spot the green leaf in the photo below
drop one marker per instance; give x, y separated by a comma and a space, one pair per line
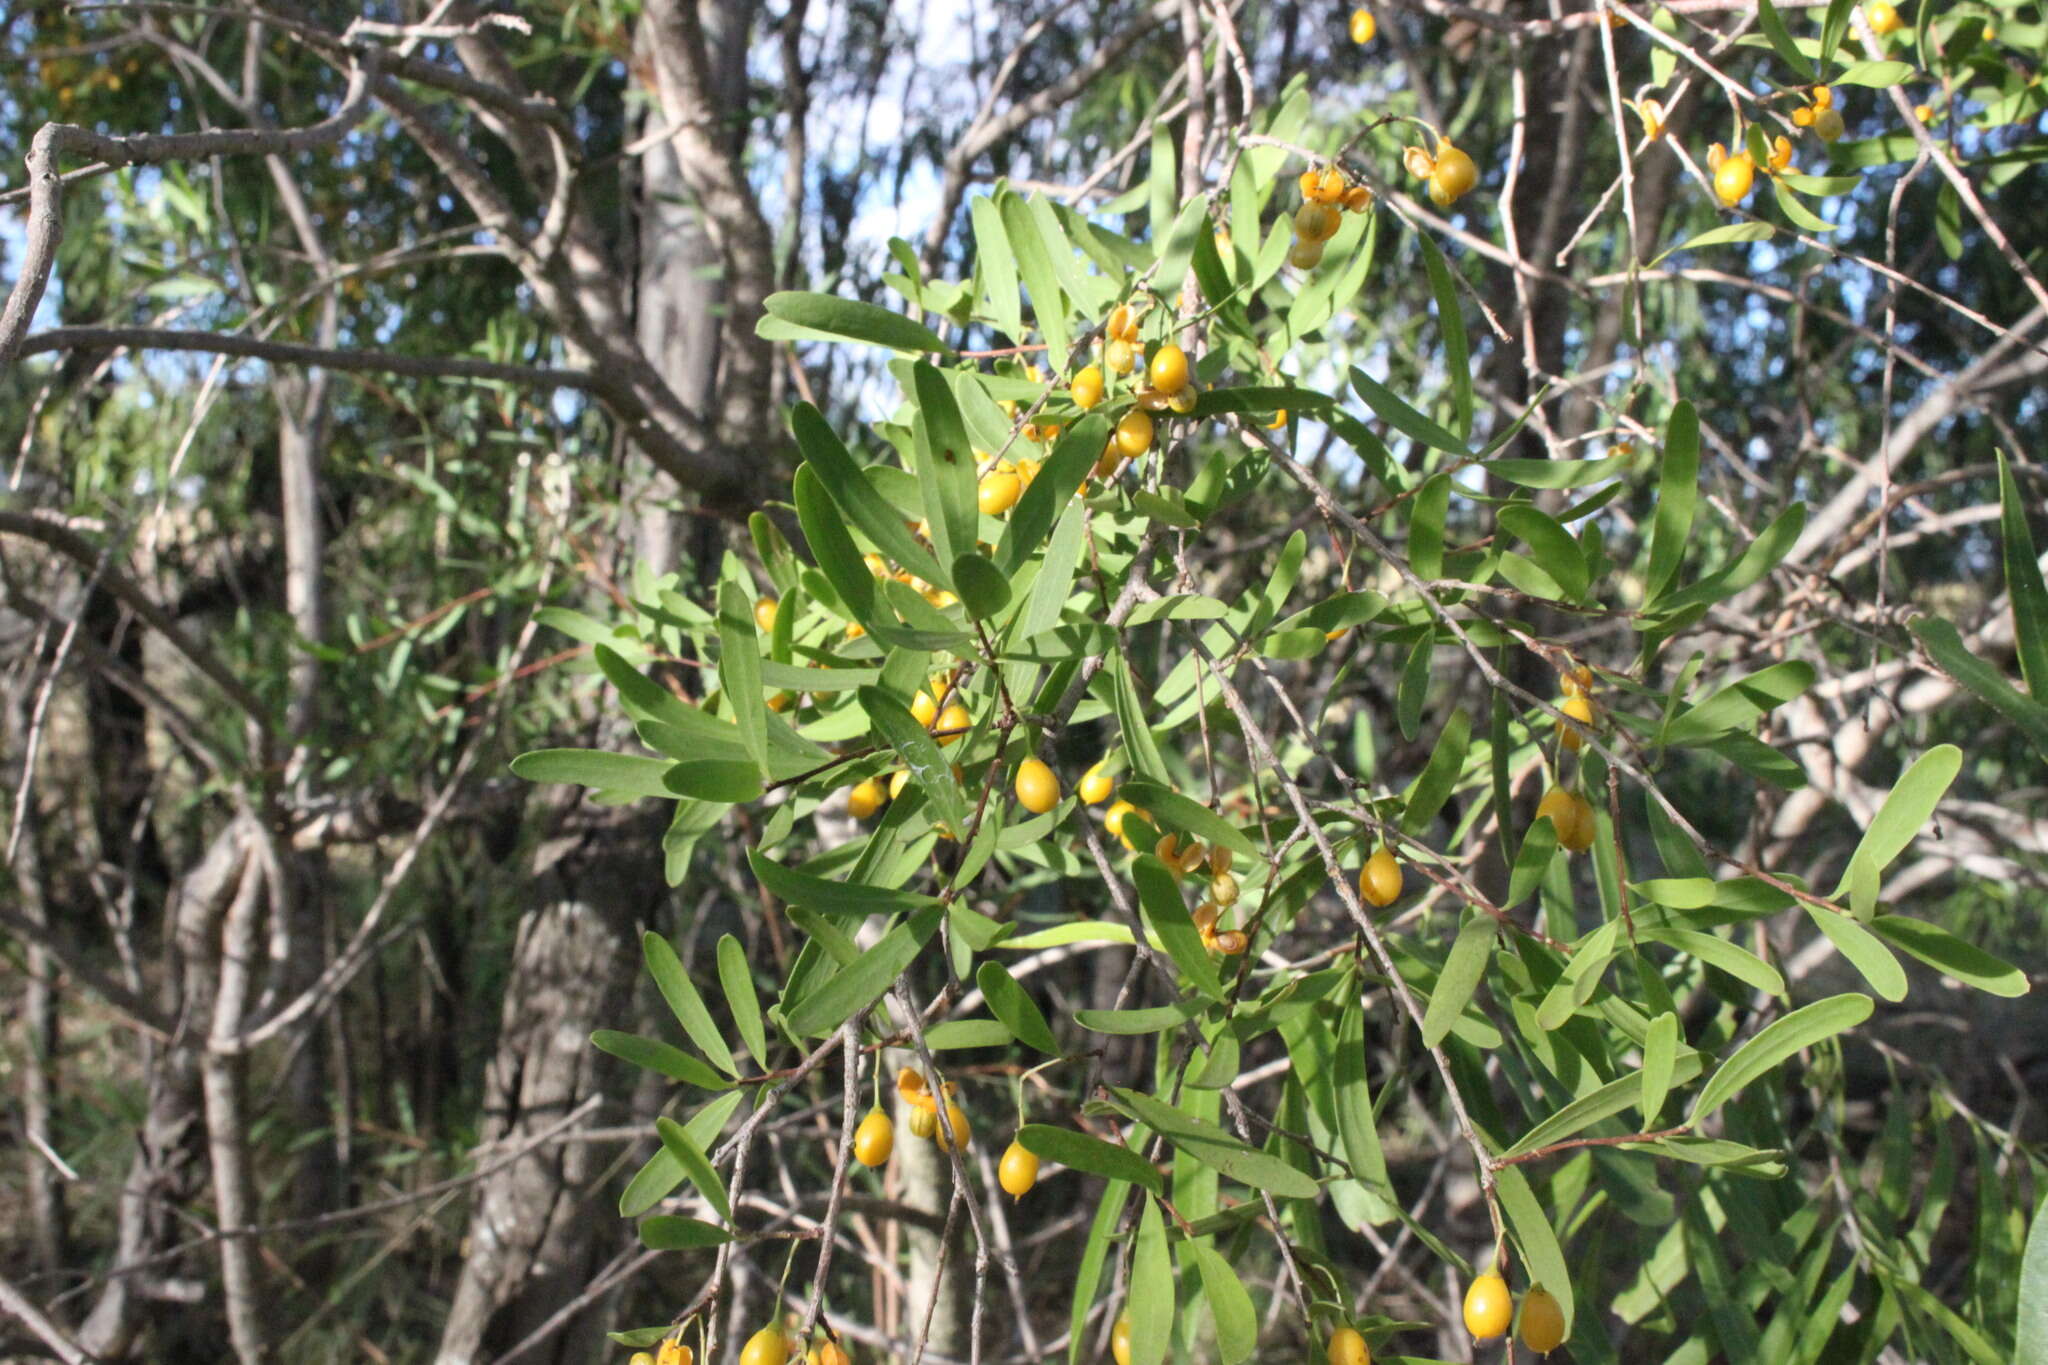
1151, 1303
1864, 951
1904, 814
1439, 777
1073, 931
1832, 28
1660, 1053
1078, 1151
1677, 495
824, 528
1171, 810
945, 465
983, 589
1451, 319
1413, 689
1008, 1002
691, 1158
1426, 527
656, 1180
1178, 246
2023, 581
2031, 1329
669, 1232
1073, 455
1877, 74
1396, 413
624, 774
1211, 1146
1739, 703
806, 315
1556, 473
684, 1002
1237, 1322
739, 665
1729, 957
1553, 547
1946, 953
1800, 1029
736, 979
1088, 1278
1460, 977
1541, 1253
1720, 236
861, 983
919, 751
1035, 263
848, 484
1946, 647
829, 897
1352, 1097
1166, 915
1532, 860
1131, 1023
1056, 572
1788, 52
996, 267
659, 1057
1795, 209
723, 780
1760, 558
961, 1033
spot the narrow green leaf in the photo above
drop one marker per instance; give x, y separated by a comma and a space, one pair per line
860, 983
1073, 455
1237, 1322
964, 1033
1034, 262
739, 665
624, 774
1460, 977
1177, 248
1795, 209
1131, 1023
1832, 28
1396, 412
1800, 1029
1439, 777
1532, 860
1171, 810
996, 266
945, 465
1094, 1252
1609, 1100
1413, 689
1946, 953
659, 1057
1356, 1126
1541, 1253
830, 897
1720, 236
1773, 25
824, 528
1056, 572
1677, 495
1865, 952
867, 509
1946, 647
1166, 916
1760, 558
2023, 582
1728, 956
1553, 548
1211, 1146
805, 315
1451, 321
1009, 1002
2031, 1331
1898, 821
919, 751
670, 1232
736, 979
684, 1002
983, 589
692, 1160
1739, 703
1426, 527
1111, 1160
722, 780
1660, 1052
1875, 74
1151, 1304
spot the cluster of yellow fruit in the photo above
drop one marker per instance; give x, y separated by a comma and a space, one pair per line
670, 1352
1489, 1308
1363, 26
875, 1139
916, 1092
1820, 114
1733, 175
946, 719
1450, 173
1326, 195
778, 1345
1000, 488
1165, 385
1577, 704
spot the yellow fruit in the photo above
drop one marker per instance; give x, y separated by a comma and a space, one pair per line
1169, 369
1802, 117
898, 780
764, 613
1027, 470
877, 565
1455, 174
1095, 785
1561, 810
1038, 790
827, 1353
766, 1347
1781, 152
1827, 125
1119, 356
1122, 325
1219, 860
1358, 199
1317, 222
1823, 97
1310, 181
1923, 112
1134, 433
1379, 881
874, 1139
671, 1352
1487, 1308
1579, 708
1230, 943
1223, 889
999, 491
1542, 1322
1184, 402
1113, 818
1347, 1347
1989, 33
641, 1357
854, 630
1087, 390
1652, 115
865, 799
1120, 1340
1583, 829
1279, 420
924, 710
1418, 162
1305, 255
953, 718
962, 1133
1153, 400
1579, 681
1363, 27
1330, 186
1018, 1171
1733, 177
1883, 17
1110, 461
924, 1122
